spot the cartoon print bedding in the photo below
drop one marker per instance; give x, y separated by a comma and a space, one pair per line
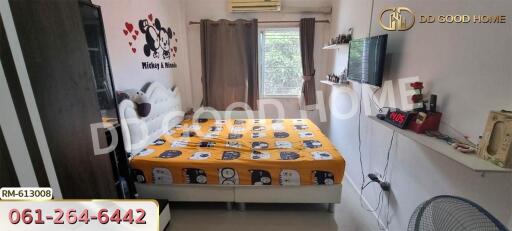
241, 152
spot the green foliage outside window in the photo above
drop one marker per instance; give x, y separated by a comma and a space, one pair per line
281, 63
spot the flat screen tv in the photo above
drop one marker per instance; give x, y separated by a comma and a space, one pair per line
366, 59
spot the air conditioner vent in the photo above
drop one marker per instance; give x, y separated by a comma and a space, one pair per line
239, 6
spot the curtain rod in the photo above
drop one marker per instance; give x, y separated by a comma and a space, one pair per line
268, 22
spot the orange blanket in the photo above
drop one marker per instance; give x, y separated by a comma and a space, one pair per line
245, 152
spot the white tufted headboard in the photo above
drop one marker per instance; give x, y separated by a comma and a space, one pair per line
166, 112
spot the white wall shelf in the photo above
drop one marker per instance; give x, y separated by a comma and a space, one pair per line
471, 161
332, 83
335, 46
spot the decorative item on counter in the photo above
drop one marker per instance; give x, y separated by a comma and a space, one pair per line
342, 38
496, 142
442, 136
338, 79
333, 78
464, 148
455, 143
423, 119
332, 42
344, 77
349, 35
417, 98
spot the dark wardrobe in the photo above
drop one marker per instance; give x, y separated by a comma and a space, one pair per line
7, 173
8, 176
71, 93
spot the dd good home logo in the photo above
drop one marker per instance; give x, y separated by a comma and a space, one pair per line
397, 19
402, 19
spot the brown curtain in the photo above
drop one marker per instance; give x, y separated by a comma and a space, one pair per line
229, 51
307, 45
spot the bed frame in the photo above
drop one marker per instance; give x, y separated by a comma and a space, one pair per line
166, 112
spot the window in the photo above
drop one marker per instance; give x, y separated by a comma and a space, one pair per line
280, 62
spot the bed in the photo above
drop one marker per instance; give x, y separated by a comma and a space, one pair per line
231, 160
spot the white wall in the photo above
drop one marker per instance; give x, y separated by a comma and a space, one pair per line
218, 9
127, 66
468, 66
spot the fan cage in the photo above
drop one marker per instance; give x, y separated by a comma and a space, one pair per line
452, 213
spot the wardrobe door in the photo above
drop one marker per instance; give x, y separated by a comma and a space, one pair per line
11, 75
7, 173
55, 51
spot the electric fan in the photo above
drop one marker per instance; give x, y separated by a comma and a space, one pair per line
450, 213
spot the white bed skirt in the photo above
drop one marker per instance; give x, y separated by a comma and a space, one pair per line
242, 193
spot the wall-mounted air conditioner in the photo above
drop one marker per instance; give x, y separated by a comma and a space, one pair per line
237, 6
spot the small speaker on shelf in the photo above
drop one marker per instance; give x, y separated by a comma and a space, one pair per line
433, 103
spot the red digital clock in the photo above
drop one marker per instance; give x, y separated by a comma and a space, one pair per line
398, 118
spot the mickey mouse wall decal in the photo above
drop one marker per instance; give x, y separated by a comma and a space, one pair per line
151, 34
159, 42
158, 39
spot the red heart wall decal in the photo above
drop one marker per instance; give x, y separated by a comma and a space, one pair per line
134, 50
175, 49
134, 37
136, 32
130, 43
150, 16
129, 26
125, 32
176, 40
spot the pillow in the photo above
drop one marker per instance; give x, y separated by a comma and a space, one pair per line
121, 95
142, 103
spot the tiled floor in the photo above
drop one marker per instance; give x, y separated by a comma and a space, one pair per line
349, 216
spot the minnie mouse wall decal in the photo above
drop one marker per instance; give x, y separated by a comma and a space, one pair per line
160, 42
158, 39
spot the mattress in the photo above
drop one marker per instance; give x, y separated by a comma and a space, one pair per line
241, 152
